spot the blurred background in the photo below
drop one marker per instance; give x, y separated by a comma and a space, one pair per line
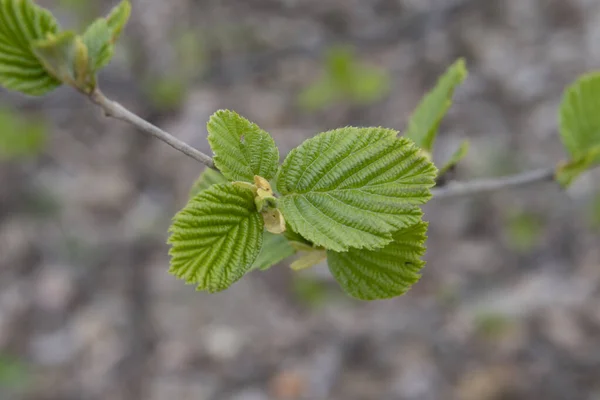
509, 304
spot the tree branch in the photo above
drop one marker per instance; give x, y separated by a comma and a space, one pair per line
455, 189
115, 110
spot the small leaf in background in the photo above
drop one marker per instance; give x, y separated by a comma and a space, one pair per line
524, 230
458, 155
383, 273
275, 249
353, 187
117, 19
22, 23
20, 136
580, 127
207, 178
216, 237
345, 80
425, 121
242, 150
97, 39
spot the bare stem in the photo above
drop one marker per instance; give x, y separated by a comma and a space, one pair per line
455, 189
115, 110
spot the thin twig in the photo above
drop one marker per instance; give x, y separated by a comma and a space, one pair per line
455, 189
115, 110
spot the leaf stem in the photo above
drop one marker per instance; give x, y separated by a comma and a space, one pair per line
116, 110
456, 189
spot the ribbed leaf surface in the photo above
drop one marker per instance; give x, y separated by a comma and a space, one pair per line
216, 237
425, 120
352, 187
275, 249
383, 273
241, 148
207, 178
21, 23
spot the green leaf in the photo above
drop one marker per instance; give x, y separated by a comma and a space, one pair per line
65, 57
383, 273
353, 187
242, 150
117, 19
97, 38
567, 172
458, 155
22, 23
216, 237
207, 178
580, 117
275, 249
425, 120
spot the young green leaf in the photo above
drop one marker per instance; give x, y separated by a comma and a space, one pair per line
580, 119
383, 273
353, 187
426, 119
97, 38
216, 237
458, 155
275, 249
242, 150
22, 23
207, 178
117, 19
65, 56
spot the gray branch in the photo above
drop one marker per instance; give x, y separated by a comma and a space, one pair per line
115, 110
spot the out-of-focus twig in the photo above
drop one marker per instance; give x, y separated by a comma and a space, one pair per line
456, 189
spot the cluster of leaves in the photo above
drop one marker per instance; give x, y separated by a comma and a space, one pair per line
36, 56
349, 195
